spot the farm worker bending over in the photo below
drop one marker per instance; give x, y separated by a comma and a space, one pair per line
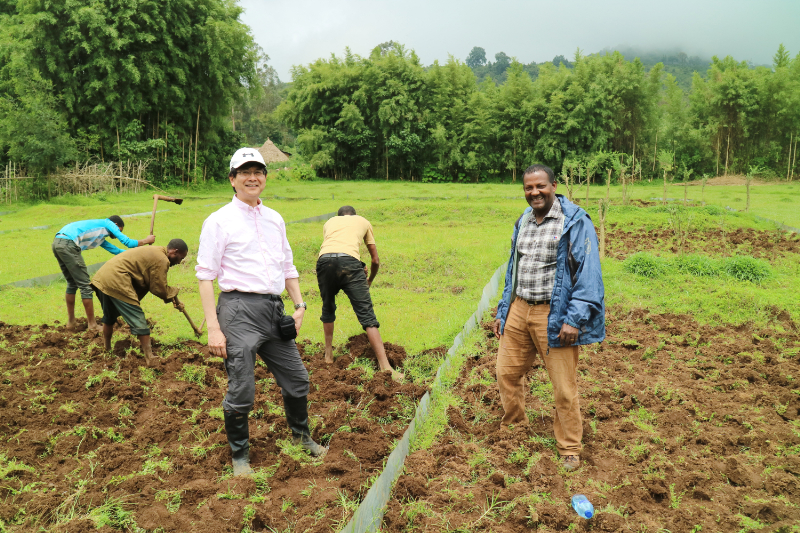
70, 241
124, 280
339, 267
552, 302
243, 246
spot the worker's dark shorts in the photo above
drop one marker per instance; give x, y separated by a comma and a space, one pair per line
72, 266
345, 273
250, 324
132, 314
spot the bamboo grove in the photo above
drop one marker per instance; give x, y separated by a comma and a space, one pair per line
124, 80
388, 116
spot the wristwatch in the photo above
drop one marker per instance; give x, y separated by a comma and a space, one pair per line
298, 306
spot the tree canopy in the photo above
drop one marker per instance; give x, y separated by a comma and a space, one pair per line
388, 116
99, 75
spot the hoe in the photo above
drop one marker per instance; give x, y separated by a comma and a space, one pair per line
178, 304
156, 198
182, 308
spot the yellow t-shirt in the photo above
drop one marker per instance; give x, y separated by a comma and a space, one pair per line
344, 235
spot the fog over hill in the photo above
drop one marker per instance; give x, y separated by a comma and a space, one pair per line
302, 31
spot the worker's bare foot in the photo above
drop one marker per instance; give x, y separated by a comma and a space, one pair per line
329, 357
397, 376
72, 324
95, 329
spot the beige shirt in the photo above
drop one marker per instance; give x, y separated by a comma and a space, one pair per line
344, 235
130, 275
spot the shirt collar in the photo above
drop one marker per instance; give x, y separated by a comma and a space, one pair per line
555, 209
244, 207
555, 212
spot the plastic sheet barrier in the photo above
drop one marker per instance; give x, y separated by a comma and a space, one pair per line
47, 280
318, 218
369, 514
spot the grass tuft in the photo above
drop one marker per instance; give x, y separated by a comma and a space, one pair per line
698, 265
746, 268
193, 374
113, 514
99, 378
8, 467
646, 265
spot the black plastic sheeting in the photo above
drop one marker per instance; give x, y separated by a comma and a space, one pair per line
51, 278
369, 514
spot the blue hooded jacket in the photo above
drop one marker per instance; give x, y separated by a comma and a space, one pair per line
578, 297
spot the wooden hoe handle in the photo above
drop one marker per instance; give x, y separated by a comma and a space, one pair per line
182, 308
153, 218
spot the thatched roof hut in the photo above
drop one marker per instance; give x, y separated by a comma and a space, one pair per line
271, 153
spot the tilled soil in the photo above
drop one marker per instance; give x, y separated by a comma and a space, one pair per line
621, 243
92, 439
687, 428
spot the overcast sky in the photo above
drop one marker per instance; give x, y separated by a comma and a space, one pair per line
300, 31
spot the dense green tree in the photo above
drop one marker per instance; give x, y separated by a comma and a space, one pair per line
501, 64
559, 59
33, 130
476, 57
781, 58
514, 135
451, 87
174, 66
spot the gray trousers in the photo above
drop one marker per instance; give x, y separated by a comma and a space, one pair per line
73, 267
250, 324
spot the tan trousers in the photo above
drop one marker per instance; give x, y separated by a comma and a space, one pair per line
524, 336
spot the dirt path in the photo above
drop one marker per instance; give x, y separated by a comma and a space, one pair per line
90, 439
686, 428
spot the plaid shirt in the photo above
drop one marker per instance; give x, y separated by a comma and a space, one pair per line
537, 245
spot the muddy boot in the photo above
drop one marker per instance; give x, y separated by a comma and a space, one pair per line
238, 430
297, 417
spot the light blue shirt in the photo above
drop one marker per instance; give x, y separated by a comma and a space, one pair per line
88, 234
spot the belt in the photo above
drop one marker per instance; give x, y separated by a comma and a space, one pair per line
336, 255
538, 302
254, 295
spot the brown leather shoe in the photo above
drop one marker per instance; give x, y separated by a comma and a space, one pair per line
570, 462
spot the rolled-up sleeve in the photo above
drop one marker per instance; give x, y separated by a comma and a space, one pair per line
209, 254
158, 282
289, 270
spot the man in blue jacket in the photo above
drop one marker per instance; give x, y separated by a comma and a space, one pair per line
70, 241
553, 301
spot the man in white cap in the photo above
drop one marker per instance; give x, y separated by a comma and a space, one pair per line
243, 246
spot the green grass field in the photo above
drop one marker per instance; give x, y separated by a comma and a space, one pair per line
438, 244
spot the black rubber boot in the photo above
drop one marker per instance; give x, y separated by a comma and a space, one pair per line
297, 417
238, 430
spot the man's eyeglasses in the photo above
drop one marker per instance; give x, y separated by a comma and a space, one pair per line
251, 174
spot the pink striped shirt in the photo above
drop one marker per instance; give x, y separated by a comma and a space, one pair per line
245, 249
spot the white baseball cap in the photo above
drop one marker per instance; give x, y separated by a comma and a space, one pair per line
246, 155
